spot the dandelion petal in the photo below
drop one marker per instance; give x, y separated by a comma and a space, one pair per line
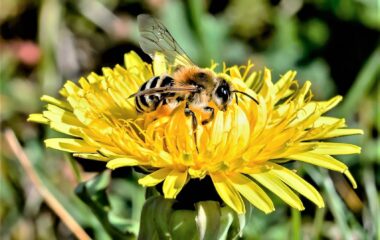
174, 183
122, 162
69, 145
228, 193
252, 192
155, 177
274, 184
298, 184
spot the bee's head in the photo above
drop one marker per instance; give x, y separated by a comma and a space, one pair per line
222, 94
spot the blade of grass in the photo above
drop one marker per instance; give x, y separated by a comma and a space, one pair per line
336, 206
296, 224
365, 80
334, 202
49, 24
74, 167
373, 201
49, 198
318, 222
196, 10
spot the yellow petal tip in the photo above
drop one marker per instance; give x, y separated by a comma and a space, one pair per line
350, 178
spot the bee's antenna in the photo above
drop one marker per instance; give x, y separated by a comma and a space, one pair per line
246, 94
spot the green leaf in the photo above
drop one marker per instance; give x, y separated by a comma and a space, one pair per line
148, 228
93, 194
74, 166
226, 220
161, 216
182, 225
208, 219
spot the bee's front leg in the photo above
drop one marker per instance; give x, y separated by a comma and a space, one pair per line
212, 114
188, 113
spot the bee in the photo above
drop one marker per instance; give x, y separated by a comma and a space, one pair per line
195, 86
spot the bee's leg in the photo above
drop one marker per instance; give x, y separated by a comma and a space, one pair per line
211, 110
189, 113
236, 99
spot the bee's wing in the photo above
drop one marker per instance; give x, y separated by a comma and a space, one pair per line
169, 89
156, 38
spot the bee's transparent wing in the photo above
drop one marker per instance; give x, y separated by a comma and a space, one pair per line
154, 37
169, 89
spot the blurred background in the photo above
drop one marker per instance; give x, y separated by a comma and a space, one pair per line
335, 44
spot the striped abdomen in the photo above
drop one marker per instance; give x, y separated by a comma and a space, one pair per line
148, 103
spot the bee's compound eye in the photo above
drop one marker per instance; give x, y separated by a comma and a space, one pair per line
223, 92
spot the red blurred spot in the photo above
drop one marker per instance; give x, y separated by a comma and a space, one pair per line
27, 52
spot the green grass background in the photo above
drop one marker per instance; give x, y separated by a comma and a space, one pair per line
335, 44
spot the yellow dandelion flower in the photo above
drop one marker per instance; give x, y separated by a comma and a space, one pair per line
241, 149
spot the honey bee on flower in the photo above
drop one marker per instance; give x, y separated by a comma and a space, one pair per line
189, 83
240, 143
